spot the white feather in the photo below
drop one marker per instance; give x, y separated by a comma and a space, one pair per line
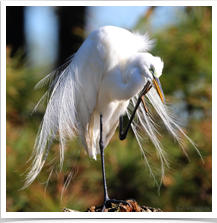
102, 77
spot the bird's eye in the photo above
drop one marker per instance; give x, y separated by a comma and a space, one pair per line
152, 70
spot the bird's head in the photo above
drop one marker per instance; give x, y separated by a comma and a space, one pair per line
151, 67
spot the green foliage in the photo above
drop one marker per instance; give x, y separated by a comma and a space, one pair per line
186, 50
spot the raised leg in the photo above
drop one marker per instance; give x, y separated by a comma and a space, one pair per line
123, 135
107, 200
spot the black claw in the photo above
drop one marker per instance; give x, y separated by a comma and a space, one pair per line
107, 202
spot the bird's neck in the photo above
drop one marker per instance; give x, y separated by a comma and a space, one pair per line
134, 82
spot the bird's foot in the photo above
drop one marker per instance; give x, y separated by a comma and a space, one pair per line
109, 201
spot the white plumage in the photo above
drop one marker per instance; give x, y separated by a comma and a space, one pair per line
104, 77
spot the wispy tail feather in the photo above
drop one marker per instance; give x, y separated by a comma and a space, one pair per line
147, 125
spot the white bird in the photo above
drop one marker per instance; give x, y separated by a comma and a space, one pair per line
111, 72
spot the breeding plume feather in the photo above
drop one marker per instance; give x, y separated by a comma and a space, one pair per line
108, 77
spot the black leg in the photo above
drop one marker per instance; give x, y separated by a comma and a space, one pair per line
123, 135
107, 200
101, 144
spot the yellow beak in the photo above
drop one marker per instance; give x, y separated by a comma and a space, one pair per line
157, 85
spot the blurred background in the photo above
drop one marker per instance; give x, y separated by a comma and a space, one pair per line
40, 39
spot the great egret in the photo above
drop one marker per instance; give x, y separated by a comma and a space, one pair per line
89, 95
